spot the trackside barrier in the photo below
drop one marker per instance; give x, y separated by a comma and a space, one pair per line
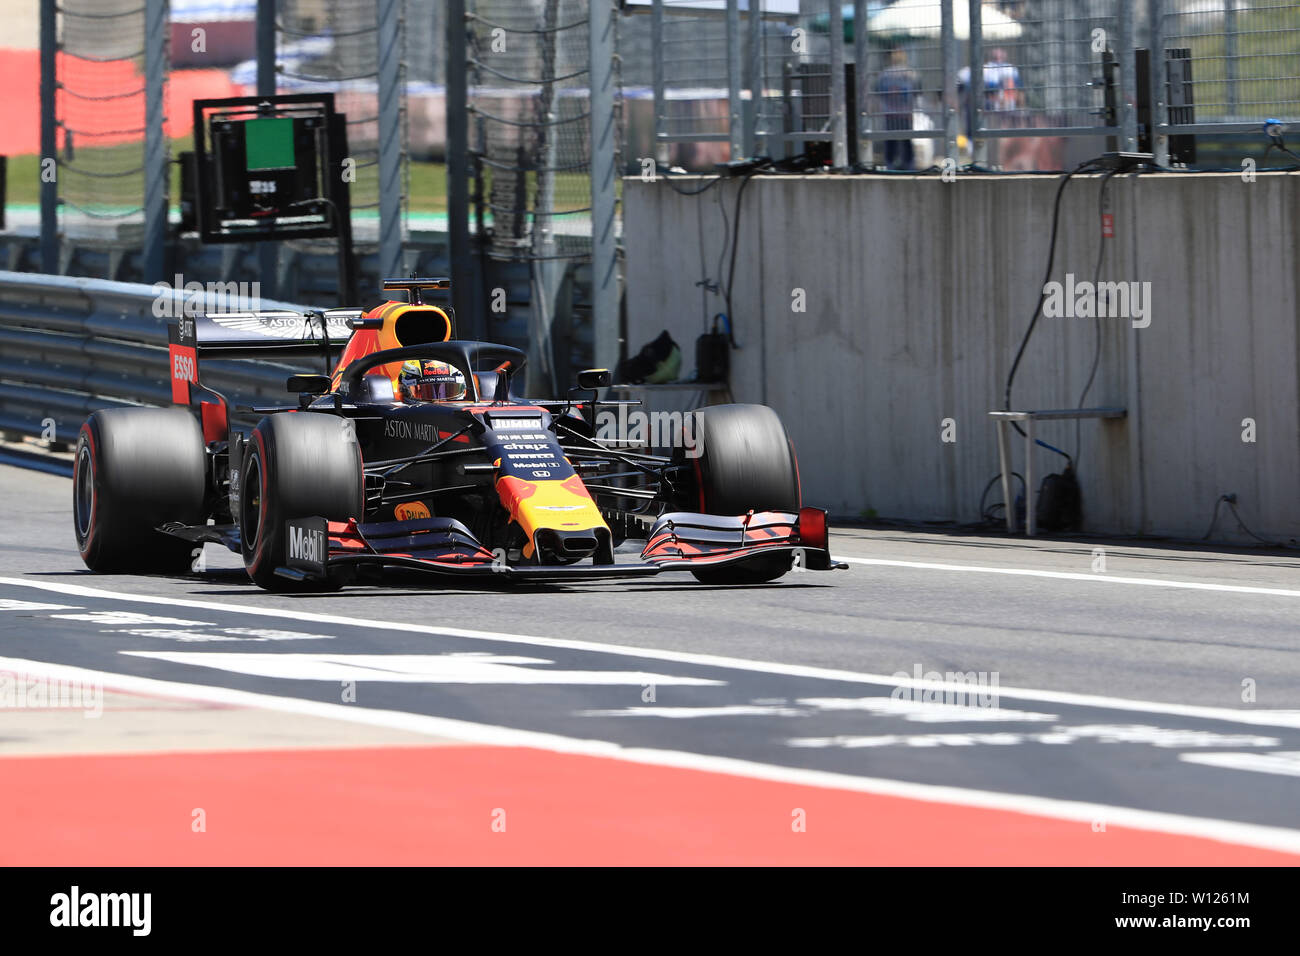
71, 345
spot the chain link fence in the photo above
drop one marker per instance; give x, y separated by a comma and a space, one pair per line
334, 46
1003, 84
1240, 60
530, 110
100, 117
532, 130
692, 79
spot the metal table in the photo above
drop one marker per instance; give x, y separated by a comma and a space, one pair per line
1031, 418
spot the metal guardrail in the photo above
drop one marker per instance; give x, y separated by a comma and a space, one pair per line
69, 346
309, 276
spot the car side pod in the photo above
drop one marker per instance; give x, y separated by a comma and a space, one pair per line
684, 538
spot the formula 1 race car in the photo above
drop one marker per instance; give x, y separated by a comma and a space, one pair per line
416, 452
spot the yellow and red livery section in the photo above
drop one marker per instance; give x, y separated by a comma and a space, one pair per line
557, 505
430, 324
535, 481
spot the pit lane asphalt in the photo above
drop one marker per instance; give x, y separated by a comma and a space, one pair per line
1093, 634
1161, 644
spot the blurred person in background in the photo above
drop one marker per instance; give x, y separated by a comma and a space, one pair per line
1001, 87
896, 89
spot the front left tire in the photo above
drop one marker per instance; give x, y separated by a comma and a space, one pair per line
296, 465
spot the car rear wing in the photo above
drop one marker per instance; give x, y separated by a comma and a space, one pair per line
275, 334
265, 334
281, 333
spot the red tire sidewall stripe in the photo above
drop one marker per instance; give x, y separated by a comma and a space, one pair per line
259, 551
798, 481
699, 483
89, 435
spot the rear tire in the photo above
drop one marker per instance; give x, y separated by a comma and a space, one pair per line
136, 469
747, 463
296, 465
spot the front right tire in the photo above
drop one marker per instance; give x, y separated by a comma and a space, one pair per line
746, 462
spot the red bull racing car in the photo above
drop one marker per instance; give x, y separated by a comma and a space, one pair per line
416, 452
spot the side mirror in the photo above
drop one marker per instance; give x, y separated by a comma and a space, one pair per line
311, 384
594, 378
376, 390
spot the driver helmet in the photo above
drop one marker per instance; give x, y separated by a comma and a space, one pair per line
428, 380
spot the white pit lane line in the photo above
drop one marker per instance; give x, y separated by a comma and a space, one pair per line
1285, 762
1265, 718
1099, 578
1247, 834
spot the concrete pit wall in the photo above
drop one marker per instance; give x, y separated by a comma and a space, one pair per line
916, 294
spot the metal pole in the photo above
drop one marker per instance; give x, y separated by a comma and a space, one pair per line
735, 122
348, 295
1031, 507
462, 265
49, 140
975, 85
390, 24
544, 274
839, 144
1128, 80
1004, 462
948, 44
154, 257
862, 80
754, 76
267, 252
657, 63
265, 47
604, 148
1230, 54
1159, 100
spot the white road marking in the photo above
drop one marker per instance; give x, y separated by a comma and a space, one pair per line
129, 617
1280, 839
806, 707
412, 668
12, 604
1077, 576
687, 713
925, 711
851, 742
1165, 737
175, 629
240, 635
1285, 762
1267, 718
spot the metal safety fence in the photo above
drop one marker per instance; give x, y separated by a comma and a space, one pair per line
100, 164
543, 136
356, 50
1011, 84
1238, 63
530, 115
106, 162
104, 149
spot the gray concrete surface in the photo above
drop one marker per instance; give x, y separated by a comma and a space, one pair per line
916, 293
1092, 636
